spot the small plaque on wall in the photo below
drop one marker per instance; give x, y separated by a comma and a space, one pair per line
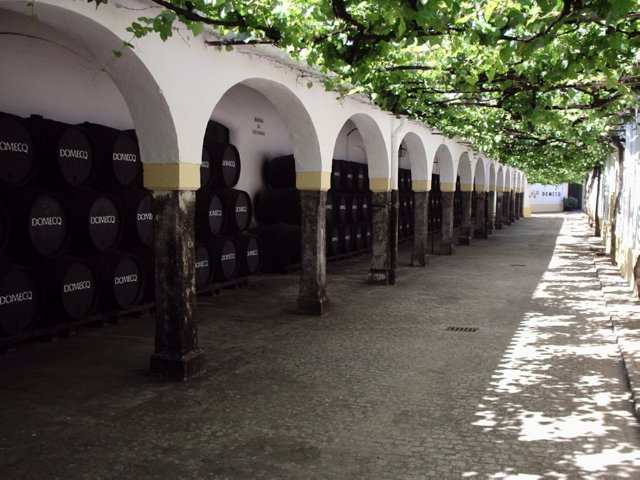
259, 127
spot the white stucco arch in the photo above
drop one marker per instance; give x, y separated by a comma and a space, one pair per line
493, 175
465, 172
480, 175
418, 161
443, 165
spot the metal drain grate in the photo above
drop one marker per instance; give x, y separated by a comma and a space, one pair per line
462, 329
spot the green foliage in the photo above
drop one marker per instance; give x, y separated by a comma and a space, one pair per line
537, 84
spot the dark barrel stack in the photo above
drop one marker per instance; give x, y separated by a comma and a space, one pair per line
457, 205
278, 213
405, 196
435, 206
71, 200
224, 251
348, 209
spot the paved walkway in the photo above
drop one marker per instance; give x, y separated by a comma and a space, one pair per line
379, 389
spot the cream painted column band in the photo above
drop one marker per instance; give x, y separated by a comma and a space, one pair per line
466, 187
447, 187
313, 180
380, 184
421, 185
171, 176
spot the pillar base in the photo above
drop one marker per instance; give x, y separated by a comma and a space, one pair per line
313, 306
446, 248
419, 260
182, 367
378, 277
464, 240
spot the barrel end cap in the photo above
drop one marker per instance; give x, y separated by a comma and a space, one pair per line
180, 367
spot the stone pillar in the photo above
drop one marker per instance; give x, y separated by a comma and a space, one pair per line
490, 210
379, 271
465, 222
420, 229
499, 207
506, 205
521, 194
512, 206
177, 354
479, 230
394, 216
312, 299
446, 243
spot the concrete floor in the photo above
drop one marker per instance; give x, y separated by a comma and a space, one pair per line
377, 389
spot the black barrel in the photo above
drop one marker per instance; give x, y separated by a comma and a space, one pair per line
137, 218
364, 203
359, 176
224, 258
342, 175
281, 172
210, 215
4, 227
281, 246
70, 288
278, 205
66, 154
96, 221
353, 208
357, 238
39, 223
365, 229
339, 207
249, 253
333, 241
216, 132
117, 155
203, 266
225, 164
121, 279
17, 151
329, 208
205, 169
238, 210
20, 299
345, 238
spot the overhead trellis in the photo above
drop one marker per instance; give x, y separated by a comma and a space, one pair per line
542, 85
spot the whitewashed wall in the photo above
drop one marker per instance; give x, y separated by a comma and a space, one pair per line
546, 198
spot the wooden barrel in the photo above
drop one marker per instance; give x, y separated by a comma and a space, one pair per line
357, 239
65, 153
4, 227
203, 266
281, 172
345, 238
205, 169
342, 176
17, 152
216, 132
280, 205
238, 210
360, 180
365, 229
249, 253
353, 208
364, 203
135, 208
96, 221
329, 215
118, 156
121, 279
39, 223
339, 202
225, 165
281, 246
333, 241
210, 215
20, 299
224, 258
69, 287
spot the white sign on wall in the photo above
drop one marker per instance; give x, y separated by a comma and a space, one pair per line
546, 198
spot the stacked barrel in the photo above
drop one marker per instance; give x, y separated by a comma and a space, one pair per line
405, 195
457, 204
74, 223
348, 209
224, 249
435, 206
